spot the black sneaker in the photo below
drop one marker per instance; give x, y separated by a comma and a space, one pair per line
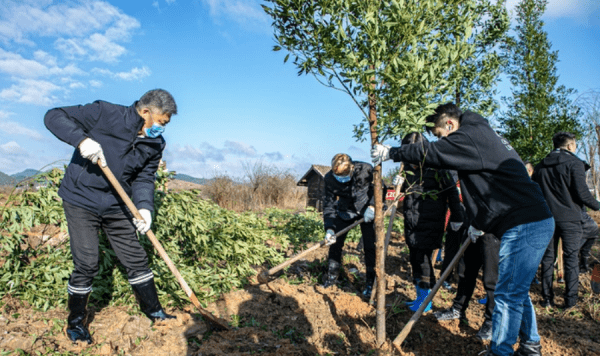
546, 302
451, 314
485, 332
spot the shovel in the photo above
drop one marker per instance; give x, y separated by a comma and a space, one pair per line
596, 279
211, 319
264, 277
409, 325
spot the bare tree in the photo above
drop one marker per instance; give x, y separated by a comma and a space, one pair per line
589, 102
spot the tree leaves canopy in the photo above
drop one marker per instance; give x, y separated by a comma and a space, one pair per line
404, 53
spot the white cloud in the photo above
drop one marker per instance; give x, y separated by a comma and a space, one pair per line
169, 2
31, 91
134, 74
14, 128
240, 149
77, 85
95, 83
247, 13
12, 149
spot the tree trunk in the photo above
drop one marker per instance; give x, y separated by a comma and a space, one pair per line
379, 234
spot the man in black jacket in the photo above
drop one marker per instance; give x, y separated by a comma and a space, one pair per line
127, 139
561, 175
500, 199
347, 197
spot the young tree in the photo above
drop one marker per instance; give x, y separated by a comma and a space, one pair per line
538, 107
395, 58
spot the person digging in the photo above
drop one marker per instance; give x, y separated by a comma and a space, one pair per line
348, 196
500, 199
129, 140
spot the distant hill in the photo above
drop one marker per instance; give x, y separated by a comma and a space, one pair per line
5, 179
25, 174
186, 178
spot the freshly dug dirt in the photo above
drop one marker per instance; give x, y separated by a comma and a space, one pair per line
294, 315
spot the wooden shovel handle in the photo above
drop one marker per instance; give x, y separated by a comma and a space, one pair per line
161, 251
263, 277
409, 325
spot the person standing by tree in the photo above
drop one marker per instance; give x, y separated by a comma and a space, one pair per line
129, 140
499, 197
429, 194
561, 176
347, 197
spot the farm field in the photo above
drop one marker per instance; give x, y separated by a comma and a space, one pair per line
290, 315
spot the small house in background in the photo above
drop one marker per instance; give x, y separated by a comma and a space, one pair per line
314, 180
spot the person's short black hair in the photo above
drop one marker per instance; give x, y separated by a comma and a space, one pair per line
444, 111
561, 139
159, 99
413, 137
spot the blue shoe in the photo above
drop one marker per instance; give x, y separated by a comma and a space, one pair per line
421, 296
439, 256
483, 301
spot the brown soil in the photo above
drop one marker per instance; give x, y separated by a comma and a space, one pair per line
293, 315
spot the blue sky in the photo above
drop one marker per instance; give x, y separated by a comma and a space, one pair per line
238, 102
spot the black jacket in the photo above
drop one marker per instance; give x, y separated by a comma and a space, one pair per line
561, 175
424, 214
497, 191
132, 159
353, 198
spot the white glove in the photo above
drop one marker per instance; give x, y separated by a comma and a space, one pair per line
380, 153
454, 226
91, 150
369, 214
474, 234
329, 238
398, 180
143, 225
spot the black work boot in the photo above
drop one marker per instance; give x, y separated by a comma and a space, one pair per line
76, 329
145, 293
485, 332
370, 279
333, 271
529, 348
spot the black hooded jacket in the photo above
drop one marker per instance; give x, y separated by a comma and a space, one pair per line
561, 175
497, 191
425, 214
348, 200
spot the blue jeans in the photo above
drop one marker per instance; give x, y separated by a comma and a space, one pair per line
521, 250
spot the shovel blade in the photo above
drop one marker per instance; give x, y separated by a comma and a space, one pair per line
596, 279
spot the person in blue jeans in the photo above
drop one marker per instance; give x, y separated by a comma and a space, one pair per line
500, 198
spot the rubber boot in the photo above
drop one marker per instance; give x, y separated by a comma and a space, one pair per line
421, 296
333, 271
369, 284
146, 295
409, 303
529, 349
76, 329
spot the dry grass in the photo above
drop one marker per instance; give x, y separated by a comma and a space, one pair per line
263, 186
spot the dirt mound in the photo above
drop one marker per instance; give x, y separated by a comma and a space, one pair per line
294, 315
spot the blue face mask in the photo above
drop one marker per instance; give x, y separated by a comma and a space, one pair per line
342, 179
154, 131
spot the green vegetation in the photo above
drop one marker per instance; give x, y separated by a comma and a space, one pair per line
215, 249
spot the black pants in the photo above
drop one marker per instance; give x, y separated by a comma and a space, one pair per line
589, 235
484, 253
83, 233
570, 233
368, 234
451, 246
422, 267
